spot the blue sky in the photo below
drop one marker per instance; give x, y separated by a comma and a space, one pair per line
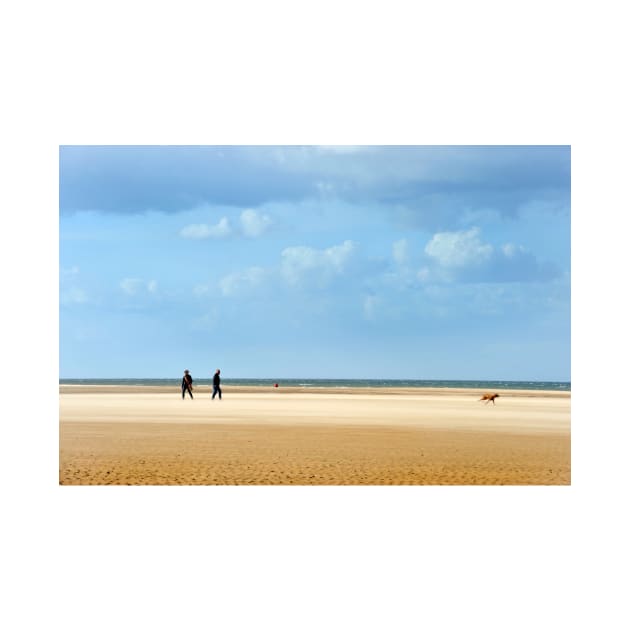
316, 261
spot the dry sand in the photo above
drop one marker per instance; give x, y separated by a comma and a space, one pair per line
263, 436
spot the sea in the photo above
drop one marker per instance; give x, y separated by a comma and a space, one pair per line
330, 383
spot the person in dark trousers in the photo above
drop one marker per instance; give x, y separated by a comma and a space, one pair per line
216, 384
187, 384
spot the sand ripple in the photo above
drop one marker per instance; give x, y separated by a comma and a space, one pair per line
220, 454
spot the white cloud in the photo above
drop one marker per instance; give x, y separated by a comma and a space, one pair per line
242, 281
133, 286
338, 255
462, 256
458, 249
254, 224
511, 251
300, 261
203, 230
67, 272
73, 296
400, 251
69, 293
325, 189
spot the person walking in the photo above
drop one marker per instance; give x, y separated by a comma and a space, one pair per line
216, 384
187, 384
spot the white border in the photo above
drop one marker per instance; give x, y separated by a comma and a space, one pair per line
352, 73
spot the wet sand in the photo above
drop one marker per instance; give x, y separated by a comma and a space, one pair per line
116, 435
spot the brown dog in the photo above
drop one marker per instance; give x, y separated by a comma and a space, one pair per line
489, 397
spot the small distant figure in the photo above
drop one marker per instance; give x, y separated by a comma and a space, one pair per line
216, 384
275, 384
187, 382
488, 398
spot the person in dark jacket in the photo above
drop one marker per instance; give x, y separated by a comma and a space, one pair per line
187, 384
216, 384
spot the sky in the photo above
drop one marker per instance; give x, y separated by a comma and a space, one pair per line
411, 262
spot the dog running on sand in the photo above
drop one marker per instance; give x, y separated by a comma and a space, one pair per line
488, 398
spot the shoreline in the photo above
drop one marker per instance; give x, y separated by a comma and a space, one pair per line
289, 389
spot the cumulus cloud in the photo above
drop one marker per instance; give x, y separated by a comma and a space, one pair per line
130, 285
135, 286
254, 223
458, 249
514, 263
251, 224
512, 251
202, 230
465, 257
69, 293
73, 295
242, 281
301, 262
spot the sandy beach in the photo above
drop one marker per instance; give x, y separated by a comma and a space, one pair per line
119, 435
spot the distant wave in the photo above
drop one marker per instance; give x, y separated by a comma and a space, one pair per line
331, 383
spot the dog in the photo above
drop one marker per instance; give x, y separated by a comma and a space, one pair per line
488, 398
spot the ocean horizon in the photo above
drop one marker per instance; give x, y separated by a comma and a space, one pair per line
330, 383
